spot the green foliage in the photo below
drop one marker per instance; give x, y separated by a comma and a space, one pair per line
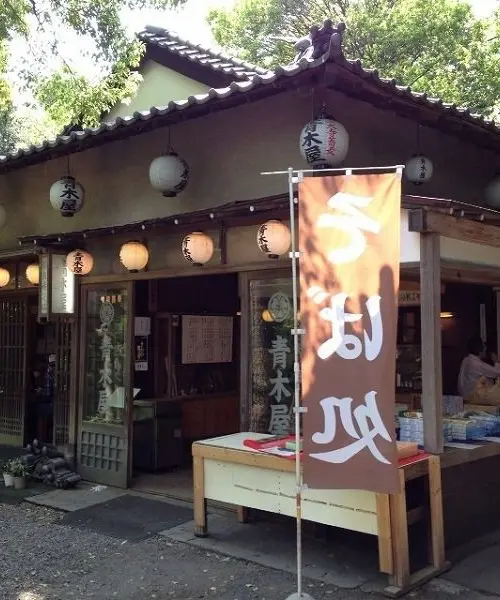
436, 46
15, 467
8, 134
69, 96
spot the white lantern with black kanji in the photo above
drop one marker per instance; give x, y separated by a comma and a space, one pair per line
33, 273
492, 193
197, 248
419, 169
134, 256
80, 262
274, 238
67, 196
4, 277
169, 174
324, 143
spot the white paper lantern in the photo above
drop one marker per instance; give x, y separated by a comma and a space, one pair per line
274, 238
169, 174
492, 193
419, 169
67, 195
134, 256
33, 273
4, 277
324, 142
3, 215
80, 262
197, 248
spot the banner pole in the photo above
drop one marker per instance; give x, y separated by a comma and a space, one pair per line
296, 366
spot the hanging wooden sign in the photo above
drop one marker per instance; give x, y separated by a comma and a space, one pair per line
57, 291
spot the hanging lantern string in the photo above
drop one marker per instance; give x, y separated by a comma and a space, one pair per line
346, 170
67, 165
418, 138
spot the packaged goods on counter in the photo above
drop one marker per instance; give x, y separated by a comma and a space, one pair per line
411, 428
464, 429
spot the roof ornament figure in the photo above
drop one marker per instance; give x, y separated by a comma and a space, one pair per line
323, 40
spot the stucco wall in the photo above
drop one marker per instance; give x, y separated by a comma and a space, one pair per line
159, 85
226, 152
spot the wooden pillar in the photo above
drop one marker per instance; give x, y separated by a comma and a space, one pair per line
432, 386
497, 302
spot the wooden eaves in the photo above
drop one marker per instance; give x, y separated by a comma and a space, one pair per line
424, 213
455, 226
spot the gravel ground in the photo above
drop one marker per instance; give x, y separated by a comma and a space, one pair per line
43, 560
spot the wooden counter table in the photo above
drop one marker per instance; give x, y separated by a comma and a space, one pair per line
471, 488
458, 456
227, 470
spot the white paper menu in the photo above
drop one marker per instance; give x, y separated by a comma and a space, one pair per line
207, 339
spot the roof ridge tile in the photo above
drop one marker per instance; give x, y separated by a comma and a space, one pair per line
162, 38
252, 79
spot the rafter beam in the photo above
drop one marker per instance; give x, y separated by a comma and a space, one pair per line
466, 230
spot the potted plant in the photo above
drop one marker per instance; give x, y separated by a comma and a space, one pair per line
18, 471
8, 478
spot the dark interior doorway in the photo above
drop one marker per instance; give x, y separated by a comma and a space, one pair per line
185, 375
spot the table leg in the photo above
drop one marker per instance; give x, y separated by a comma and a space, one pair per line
200, 504
242, 514
384, 534
436, 510
399, 526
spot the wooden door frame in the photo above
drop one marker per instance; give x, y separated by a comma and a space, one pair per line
75, 379
22, 295
126, 428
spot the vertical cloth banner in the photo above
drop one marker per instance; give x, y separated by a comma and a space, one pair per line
349, 238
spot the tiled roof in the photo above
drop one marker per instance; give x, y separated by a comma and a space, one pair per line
222, 63
456, 116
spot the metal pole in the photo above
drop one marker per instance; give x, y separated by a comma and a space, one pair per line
294, 176
338, 170
296, 367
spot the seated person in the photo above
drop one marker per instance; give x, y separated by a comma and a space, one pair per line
474, 372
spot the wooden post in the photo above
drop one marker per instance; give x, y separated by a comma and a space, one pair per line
432, 386
436, 510
399, 532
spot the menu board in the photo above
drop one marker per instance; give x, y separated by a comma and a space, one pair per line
207, 339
